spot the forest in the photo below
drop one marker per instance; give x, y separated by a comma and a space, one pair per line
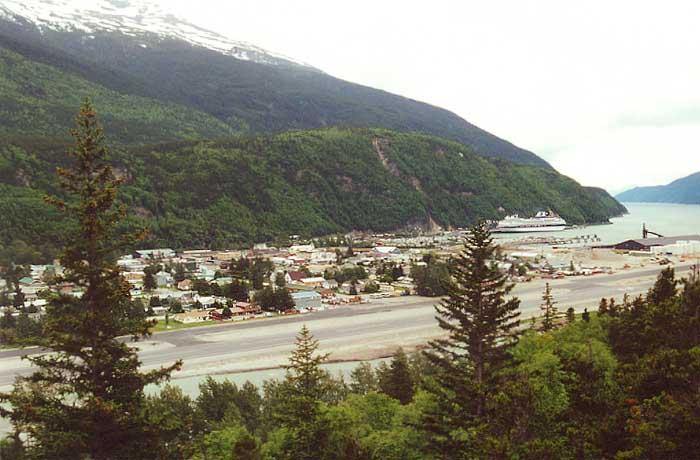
242, 190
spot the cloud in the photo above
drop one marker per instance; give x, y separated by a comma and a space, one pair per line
634, 156
676, 116
567, 80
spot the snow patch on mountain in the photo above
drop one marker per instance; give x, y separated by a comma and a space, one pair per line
133, 18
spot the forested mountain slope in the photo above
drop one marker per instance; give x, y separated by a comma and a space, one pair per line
245, 189
40, 100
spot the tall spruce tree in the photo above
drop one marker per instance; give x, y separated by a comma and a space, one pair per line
481, 324
549, 310
396, 381
85, 399
303, 388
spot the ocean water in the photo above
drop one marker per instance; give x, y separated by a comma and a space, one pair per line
662, 218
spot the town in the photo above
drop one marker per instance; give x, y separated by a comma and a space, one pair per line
200, 287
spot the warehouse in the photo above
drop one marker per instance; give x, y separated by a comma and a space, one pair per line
307, 300
645, 244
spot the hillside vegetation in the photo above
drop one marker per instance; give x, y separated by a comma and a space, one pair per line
40, 100
246, 189
682, 191
244, 96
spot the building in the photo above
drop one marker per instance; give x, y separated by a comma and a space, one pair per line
645, 244
307, 300
185, 285
194, 316
134, 277
294, 277
330, 284
155, 253
164, 279
313, 282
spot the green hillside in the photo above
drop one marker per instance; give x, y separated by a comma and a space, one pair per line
40, 100
246, 96
246, 189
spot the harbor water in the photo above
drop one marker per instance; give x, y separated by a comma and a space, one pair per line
664, 219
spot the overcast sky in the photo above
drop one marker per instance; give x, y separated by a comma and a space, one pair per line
607, 91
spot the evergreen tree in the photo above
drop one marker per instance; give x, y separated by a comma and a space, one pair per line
481, 325
260, 270
280, 280
238, 291
396, 381
363, 379
19, 298
85, 399
603, 308
665, 287
283, 299
149, 278
570, 315
304, 388
549, 310
180, 274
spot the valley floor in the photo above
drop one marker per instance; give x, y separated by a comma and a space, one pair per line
349, 333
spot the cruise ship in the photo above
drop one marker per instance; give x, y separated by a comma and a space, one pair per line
544, 221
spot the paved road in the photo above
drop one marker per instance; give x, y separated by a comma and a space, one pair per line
345, 331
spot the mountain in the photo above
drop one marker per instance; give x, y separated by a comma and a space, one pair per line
683, 191
135, 48
245, 189
131, 18
221, 143
40, 100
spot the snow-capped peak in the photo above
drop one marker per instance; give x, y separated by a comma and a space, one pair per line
133, 18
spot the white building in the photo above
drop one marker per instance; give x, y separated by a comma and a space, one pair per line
164, 279
155, 253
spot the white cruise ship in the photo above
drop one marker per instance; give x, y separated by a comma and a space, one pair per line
544, 221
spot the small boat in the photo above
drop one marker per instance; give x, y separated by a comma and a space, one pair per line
544, 221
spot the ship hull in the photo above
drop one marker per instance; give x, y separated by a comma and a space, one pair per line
548, 228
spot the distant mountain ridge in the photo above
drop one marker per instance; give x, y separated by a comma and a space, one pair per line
138, 49
682, 191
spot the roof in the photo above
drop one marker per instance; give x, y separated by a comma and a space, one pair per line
312, 280
192, 314
297, 276
306, 295
665, 241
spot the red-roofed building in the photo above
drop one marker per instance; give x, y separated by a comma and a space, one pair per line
295, 277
